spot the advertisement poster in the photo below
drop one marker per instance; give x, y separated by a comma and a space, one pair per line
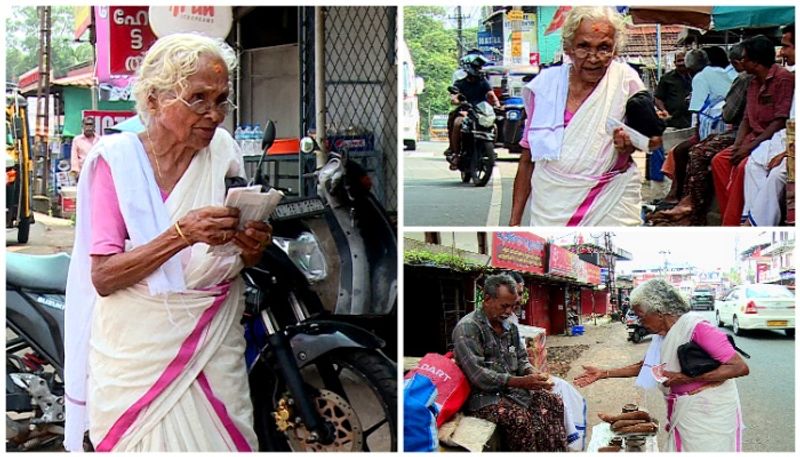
518, 251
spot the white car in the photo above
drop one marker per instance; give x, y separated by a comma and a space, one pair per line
757, 306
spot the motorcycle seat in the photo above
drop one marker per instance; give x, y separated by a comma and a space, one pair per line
41, 272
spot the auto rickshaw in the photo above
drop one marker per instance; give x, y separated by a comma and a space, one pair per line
18, 166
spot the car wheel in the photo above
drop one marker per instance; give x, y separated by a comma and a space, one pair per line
789, 332
719, 321
736, 330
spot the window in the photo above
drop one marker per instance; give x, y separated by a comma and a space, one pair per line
433, 238
482, 248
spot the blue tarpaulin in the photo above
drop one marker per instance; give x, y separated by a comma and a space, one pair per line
743, 17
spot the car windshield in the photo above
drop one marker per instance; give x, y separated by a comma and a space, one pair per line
768, 291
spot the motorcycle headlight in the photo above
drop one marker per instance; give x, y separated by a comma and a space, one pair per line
305, 253
486, 121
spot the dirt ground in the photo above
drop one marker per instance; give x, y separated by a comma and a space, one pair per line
605, 345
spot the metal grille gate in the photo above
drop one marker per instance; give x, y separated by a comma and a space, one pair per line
360, 87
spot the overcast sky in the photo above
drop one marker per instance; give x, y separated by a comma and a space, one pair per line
705, 248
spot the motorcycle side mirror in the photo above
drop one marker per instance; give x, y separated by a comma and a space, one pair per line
307, 145
269, 135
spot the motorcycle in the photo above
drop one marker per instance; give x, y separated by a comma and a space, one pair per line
476, 157
636, 332
318, 382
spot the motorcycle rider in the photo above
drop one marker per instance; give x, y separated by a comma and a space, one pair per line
474, 89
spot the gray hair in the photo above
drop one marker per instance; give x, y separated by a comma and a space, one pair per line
491, 286
171, 61
593, 13
657, 295
736, 52
696, 60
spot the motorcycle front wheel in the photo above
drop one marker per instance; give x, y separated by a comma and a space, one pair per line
358, 396
484, 164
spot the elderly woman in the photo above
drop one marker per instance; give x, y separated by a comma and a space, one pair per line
574, 171
506, 389
703, 413
154, 349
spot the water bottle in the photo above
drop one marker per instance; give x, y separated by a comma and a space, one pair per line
258, 135
238, 135
247, 134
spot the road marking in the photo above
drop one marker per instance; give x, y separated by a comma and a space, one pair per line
497, 199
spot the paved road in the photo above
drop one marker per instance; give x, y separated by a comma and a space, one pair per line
435, 196
48, 236
768, 392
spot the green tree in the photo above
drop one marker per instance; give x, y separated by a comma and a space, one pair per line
22, 41
435, 53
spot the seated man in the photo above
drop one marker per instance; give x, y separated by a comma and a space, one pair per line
505, 389
765, 172
769, 99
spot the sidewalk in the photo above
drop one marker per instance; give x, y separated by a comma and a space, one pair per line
606, 346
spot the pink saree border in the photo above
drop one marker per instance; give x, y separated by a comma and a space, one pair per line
238, 439
175, 367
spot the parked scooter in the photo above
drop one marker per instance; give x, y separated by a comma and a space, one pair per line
317, 382
476, 157
636, 332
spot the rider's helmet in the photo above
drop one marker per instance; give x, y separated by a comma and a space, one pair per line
472, 63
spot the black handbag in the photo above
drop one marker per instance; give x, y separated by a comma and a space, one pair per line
695, 361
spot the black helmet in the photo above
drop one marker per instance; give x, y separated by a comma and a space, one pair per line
473, 63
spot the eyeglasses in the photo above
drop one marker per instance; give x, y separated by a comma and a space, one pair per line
201, 107
601, 54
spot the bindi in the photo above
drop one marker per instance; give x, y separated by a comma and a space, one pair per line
217, 68
597, 28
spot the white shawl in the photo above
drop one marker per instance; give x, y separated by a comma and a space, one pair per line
572, 183
146, 216
709, 420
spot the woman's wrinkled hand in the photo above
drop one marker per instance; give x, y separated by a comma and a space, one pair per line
590, 374
255, 237
676, 378
213, 225
622, 142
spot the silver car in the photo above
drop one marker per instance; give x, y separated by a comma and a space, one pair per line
757, 306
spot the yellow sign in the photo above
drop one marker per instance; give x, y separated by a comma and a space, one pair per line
516, 44
82, 19
515, 15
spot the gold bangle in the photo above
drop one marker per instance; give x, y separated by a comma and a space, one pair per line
178, 229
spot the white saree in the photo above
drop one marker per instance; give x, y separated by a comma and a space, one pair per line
166, 370
710, 420
576, 179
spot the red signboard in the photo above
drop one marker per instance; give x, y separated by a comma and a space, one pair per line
592, 273
130, 36
518, 251
104, 119
561, 262
534, 59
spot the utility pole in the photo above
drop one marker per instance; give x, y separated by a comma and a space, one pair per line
43, 100
459, 31
665, 254
611, 282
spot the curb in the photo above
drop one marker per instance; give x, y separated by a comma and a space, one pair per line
49, 220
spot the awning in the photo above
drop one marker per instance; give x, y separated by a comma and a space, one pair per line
692, 16
747, 17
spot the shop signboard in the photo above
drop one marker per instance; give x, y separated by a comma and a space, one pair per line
519, 38
214, 21
490, 42
593, 274
104, 119
123, 37
561, 262
518, 251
